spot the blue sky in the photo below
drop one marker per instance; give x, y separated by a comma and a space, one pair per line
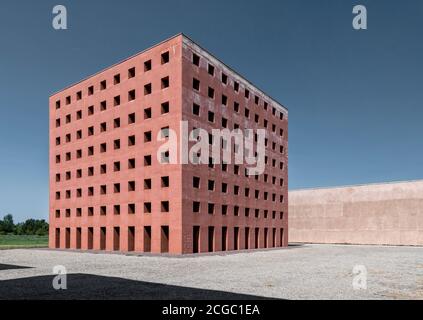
354, 97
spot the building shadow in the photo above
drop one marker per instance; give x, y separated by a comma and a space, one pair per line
11, 267
93, 287
296, 245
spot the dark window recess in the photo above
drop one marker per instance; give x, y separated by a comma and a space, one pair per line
224, 78
131, 141
131, 186
224, 210
147, 89
131, 73
165, 82
116, 101
247, 93
196, 84
165, 57
147, 113
131, 208
224, 100
210, 70
165, 206
224, 187
165, 107
147, 184
147, 65
116, 79
116, 144
147, 160
147, 207
131, 95
131, 164
131, 118
196, 182
211, 93
196, 59
224, 122
147, 136
165, 182
195, 109
210, 207
196, 206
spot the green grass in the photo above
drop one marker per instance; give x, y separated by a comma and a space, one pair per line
14, 241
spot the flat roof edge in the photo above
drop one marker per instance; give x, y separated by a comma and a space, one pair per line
116, 64
235, 72
359, 185
160, 43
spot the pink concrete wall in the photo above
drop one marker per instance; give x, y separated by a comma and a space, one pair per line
385, 214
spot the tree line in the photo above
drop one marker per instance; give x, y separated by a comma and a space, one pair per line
29, 227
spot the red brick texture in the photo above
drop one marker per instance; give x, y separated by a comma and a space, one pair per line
108, 190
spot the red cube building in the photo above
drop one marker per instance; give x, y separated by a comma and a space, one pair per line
110, 191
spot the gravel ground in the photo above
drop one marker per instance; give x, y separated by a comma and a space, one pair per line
299, 272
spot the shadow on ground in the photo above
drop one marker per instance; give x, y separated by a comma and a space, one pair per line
11, 267
92, 287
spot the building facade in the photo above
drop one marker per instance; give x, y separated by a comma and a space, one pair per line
374, 214
111, 188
